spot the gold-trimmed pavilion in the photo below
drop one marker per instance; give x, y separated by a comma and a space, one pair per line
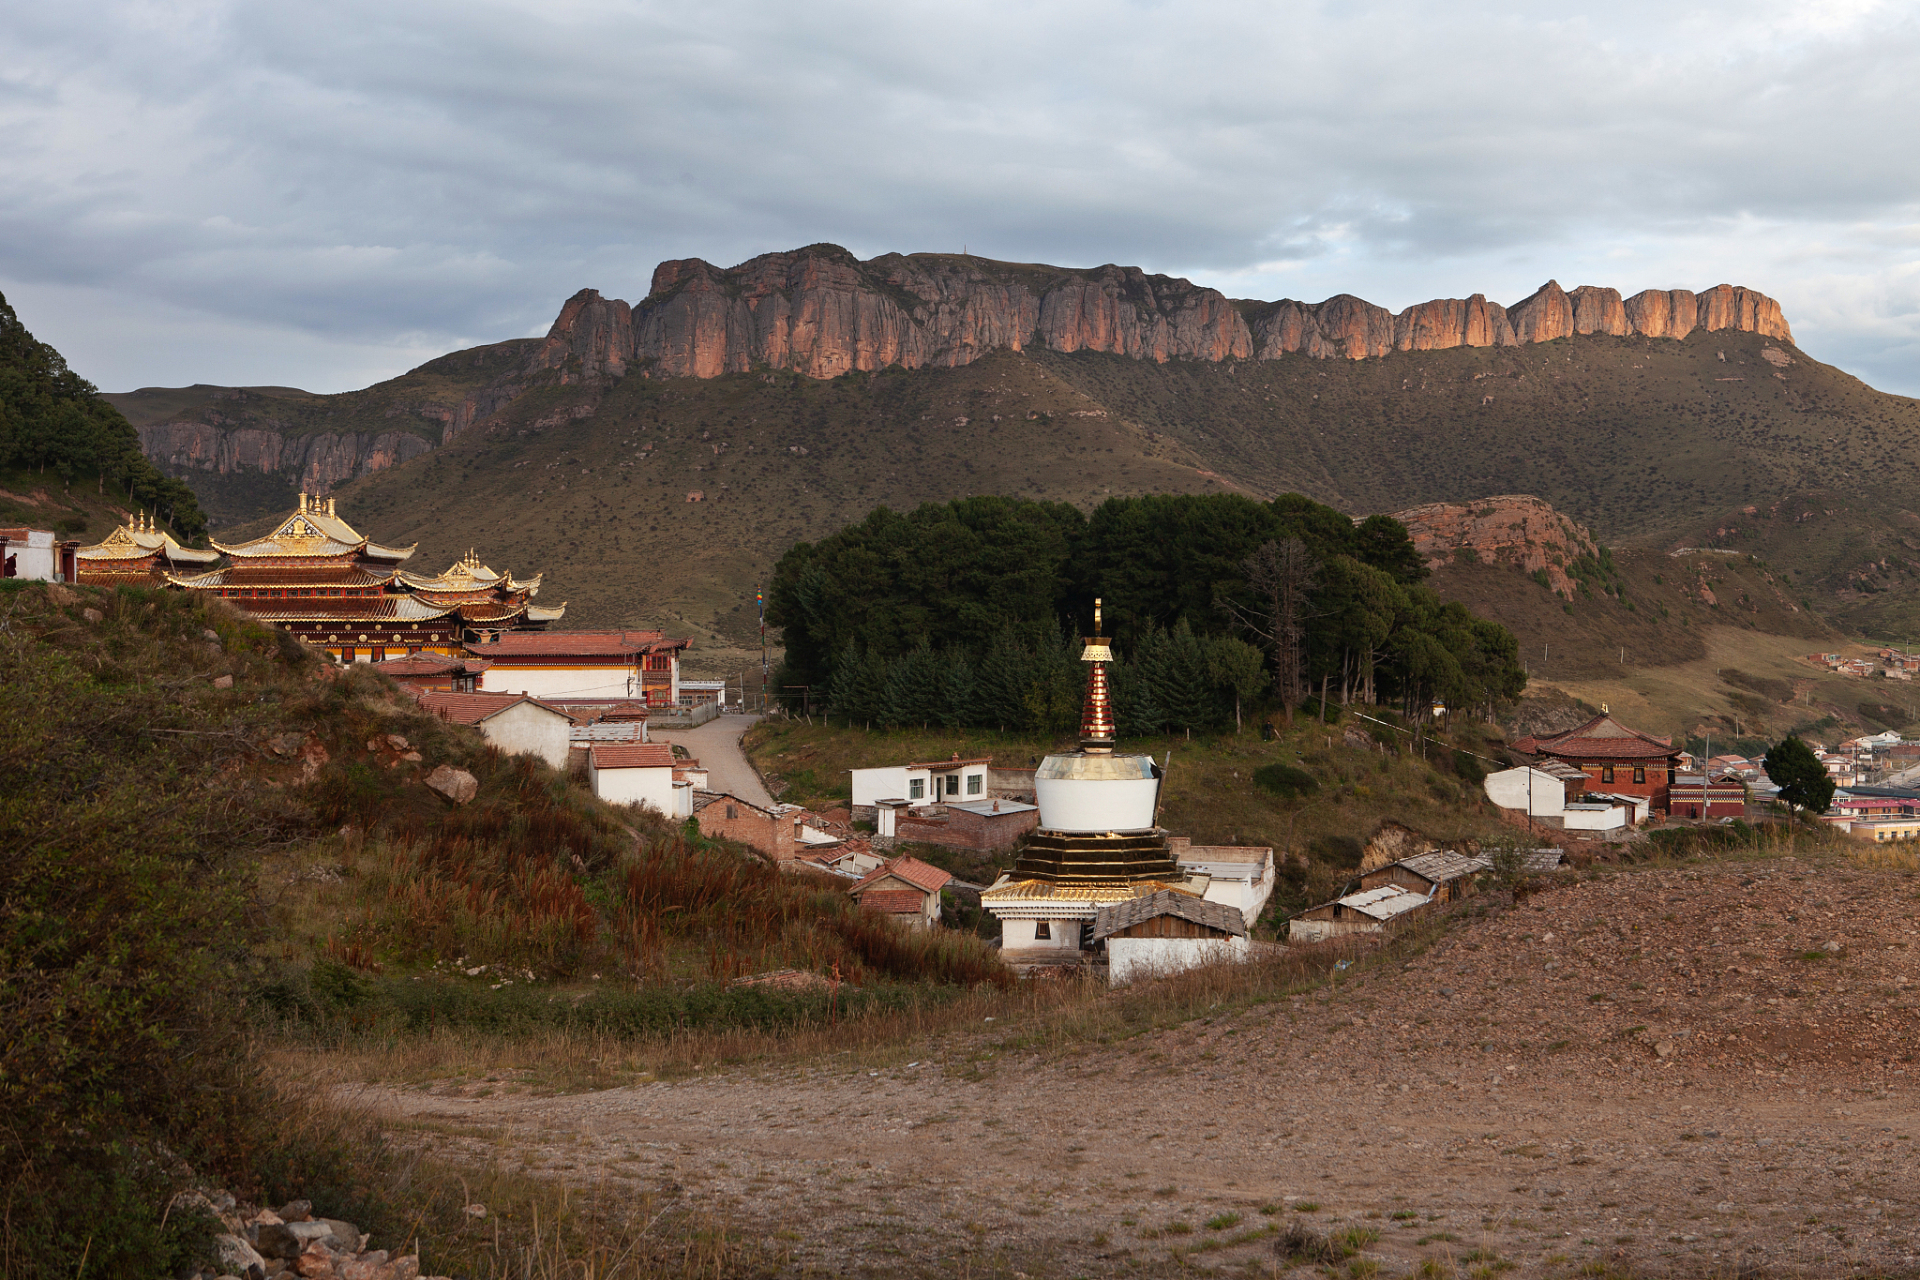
333, 587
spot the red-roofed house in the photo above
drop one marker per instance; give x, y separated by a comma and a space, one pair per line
512, 722
638, 773
433, 672
1613, 758
889, 887
585, 664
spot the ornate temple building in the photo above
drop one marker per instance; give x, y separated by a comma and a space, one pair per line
1099, 878
138, 553
338, 590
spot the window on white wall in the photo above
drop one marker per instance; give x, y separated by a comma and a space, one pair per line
917, 789
973, 783
1043, 931
953, 785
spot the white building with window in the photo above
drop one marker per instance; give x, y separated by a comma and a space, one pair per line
926, 782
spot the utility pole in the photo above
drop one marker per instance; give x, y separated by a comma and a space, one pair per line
760, 599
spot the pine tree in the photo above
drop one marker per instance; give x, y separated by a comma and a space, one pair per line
1001, 683
959, 692
1186, 692
1803, 781
914, 686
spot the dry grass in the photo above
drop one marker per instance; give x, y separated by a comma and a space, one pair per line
1047, 1016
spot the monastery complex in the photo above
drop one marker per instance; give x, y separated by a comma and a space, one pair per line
324, 581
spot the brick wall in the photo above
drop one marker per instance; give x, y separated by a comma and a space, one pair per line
960, 829
769, 833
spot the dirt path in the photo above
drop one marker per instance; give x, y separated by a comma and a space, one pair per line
1425, 1104
716, 744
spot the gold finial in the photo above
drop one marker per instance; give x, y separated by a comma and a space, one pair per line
1096, 615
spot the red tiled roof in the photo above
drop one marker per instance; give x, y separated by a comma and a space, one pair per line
1601, 738
949, 764
632, 755
923, 876
895, 902
577, 644
472, 708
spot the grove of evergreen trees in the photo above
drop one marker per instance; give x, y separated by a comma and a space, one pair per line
52, 418
968, 614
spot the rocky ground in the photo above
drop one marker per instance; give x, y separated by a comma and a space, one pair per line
1670, 1072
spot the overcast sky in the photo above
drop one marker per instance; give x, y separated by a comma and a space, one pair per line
323, 195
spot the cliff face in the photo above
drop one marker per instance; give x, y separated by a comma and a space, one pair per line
822, 312
317, 461
1514, 528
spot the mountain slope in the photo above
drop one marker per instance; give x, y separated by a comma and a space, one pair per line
1629, 415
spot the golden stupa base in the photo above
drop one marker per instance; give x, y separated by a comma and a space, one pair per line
1086, 860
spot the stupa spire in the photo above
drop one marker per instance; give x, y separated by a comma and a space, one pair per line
1096, 712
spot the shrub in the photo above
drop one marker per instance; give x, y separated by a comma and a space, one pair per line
1285, 781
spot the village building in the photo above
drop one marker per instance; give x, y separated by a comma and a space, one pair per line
433, 672
904, 887
920, 783
1885, 830
983, 825
1238, 876
1612, 758
514, 723
139, 554
725, 816
1166, 932
1440, 877
637, 665
1533, 791
637, 773
1097, 844
1368, 911
1694, 796
322, 580
38, 554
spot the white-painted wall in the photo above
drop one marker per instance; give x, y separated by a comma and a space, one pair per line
1129, 959
1538, 794
890, 782
35, 557
614, 680
1017, 935
650, 787
1096, 804
1595, 818
525, 727
977, 774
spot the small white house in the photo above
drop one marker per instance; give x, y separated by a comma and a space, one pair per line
1591, 815
512, 722
31, 553
1238, 876
1165, 932
1534, 792
637, 773
926, 782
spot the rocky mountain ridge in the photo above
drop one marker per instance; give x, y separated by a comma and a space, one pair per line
821, 312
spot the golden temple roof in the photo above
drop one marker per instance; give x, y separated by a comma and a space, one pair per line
141, 538
314, 530
1044, 890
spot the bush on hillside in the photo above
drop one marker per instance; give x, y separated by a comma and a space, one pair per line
1285, 781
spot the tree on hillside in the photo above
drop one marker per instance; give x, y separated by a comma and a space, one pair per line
1281, 576
1238, 667
52, 417
1803, 781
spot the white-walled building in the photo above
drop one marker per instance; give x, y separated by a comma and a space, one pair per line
636, 773
1165, 932
925, 782
37, 554
643, 665
1238, 876
1534, 792
512, 722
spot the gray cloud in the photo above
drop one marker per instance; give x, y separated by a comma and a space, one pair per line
277, 193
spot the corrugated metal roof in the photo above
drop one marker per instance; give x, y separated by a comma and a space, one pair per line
1385, 902
1113, 918
1444, 865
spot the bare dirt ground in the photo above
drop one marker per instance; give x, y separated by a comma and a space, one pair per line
1673, 1072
